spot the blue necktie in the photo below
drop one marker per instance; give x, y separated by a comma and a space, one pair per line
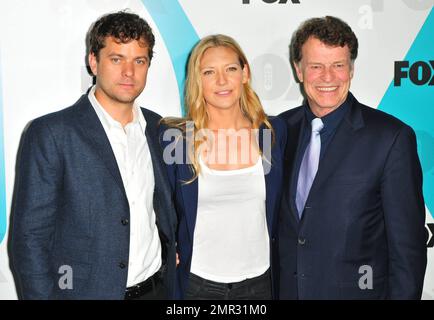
309, 165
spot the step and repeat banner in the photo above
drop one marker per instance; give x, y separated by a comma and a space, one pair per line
42, 67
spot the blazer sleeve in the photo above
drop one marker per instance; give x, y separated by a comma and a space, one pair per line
36, 204
281, 136
281, 133
404, 210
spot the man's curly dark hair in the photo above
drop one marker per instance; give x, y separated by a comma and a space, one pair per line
331, 31
124, 27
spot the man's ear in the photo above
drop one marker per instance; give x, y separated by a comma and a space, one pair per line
93, 63
298, 71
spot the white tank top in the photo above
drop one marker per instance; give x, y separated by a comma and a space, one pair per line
231, 240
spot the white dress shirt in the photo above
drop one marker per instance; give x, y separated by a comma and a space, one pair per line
134, 161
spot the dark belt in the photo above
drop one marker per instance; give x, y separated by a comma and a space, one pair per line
143, 287
229, 285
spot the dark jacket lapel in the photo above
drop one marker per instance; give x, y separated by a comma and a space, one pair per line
162, 194
296, 126
335, 153
152, 137
89, 122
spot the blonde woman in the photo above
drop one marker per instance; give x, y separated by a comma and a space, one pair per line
226, 173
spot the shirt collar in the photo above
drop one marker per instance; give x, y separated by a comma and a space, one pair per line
332, 119
106, 119
139, 117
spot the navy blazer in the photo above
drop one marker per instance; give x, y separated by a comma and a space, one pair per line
71, 209
365, 212
186, 203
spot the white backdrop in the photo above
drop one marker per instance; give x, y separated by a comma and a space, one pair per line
42, 68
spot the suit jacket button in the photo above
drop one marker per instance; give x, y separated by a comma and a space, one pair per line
301, 241
125, 222
122, 265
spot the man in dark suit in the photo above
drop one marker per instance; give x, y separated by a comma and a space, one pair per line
352, 215
93, 216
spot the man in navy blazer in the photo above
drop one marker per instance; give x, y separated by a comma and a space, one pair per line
352, 215
93, 216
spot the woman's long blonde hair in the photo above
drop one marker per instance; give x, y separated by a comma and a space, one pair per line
195, 103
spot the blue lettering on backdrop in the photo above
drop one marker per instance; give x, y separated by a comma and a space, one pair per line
178, 35
413, 104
